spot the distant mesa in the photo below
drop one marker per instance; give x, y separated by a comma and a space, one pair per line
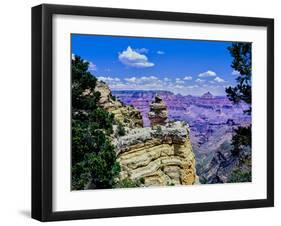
207, 95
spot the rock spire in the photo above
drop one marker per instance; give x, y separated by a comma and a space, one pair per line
158, 113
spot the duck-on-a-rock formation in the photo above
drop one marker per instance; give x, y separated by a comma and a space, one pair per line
159, 155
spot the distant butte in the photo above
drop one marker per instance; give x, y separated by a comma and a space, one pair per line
207, 95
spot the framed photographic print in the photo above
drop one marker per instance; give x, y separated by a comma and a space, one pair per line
146, 112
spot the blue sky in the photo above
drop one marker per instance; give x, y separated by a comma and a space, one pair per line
181, 66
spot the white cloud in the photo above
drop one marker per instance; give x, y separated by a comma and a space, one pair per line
200, 80
167, 79
176, 85
160, 52
193, 86
142, 50
187, 78
92, 66
149, 78
108, 79
234, 72
179, 81
73, 56
179, 86
132, 79
132, 58
142, 80
207, 74
219, 80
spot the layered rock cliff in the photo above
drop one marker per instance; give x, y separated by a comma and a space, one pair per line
212, 120
157, 156
127, 115
160, 156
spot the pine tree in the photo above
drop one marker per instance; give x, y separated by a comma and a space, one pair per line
242, 92
242, 64
93, 156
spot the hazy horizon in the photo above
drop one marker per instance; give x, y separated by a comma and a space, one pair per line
155, 90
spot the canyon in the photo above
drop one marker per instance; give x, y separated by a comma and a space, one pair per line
156, 155
211, 119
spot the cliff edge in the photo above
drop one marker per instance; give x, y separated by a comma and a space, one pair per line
161, 156
157, 156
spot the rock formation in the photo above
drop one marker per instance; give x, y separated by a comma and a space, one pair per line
126, 115
223, 164
212, 120
158, 157
207, 95
158, 113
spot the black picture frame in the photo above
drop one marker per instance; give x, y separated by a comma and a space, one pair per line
42, 111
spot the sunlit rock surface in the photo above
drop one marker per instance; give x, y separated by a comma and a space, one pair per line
211, 119
127, 115
160, 156
158, 113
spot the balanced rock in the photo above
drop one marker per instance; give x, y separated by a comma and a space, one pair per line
158, 113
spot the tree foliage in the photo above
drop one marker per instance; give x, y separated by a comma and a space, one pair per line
120, 129
129, 183
239, 175
242, 64
241, 138
242, 92
93, 157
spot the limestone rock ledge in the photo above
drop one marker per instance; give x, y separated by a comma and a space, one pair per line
157, 156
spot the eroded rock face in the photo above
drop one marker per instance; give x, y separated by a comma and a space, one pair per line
158, 157
158, 113
222, 165
211, 120
127, 115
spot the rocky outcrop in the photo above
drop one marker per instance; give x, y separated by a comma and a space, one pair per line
207, 95
158, 113
126, 115
224, 165
211, 120
159, 156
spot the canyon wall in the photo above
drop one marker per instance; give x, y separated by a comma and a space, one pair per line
157, 156
124, 114
160, 156
212, 121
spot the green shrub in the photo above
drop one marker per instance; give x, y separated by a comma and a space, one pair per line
120, 129
170, 184
113, 97
129, 183
240, 176
159, 130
